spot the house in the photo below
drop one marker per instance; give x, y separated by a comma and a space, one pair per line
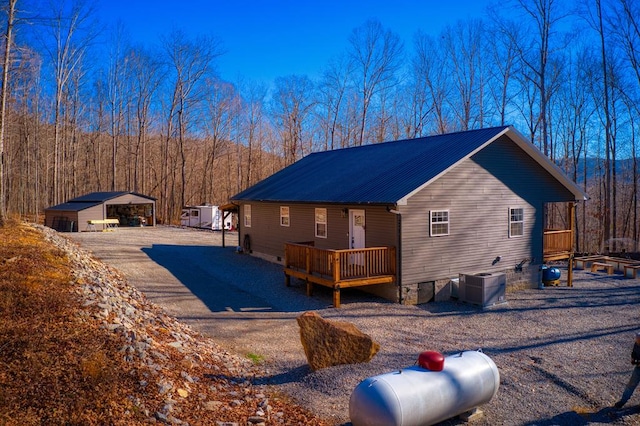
406, 218
90, 211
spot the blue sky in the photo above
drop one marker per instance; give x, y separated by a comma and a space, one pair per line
268, 39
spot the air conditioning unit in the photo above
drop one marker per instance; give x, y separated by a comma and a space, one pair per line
484, 289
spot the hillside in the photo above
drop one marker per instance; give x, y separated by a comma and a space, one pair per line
81, 347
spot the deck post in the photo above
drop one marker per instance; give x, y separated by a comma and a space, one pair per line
336, 266
336, 278
570, 272
572, 225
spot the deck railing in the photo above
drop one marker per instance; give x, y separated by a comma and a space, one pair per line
340, 265
557, 241
339, 268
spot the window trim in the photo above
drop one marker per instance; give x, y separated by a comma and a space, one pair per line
432, 223
284, 215
247, 215
512, 222
322, 211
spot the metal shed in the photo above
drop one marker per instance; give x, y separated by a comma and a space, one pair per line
129, 208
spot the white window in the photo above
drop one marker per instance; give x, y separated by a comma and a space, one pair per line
247, 215
284, 216
516, 222
439, 222
321, 223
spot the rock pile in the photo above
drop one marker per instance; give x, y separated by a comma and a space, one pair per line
184, 372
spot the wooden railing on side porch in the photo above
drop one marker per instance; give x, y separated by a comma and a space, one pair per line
339, 268
557, 244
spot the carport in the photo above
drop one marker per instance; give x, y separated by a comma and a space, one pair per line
129, 208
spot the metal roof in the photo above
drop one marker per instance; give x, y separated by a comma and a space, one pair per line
74, 207
101, 197
385, 173
92, 199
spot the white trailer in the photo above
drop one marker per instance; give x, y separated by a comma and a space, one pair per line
206, 217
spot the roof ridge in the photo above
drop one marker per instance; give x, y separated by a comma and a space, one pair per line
374, 144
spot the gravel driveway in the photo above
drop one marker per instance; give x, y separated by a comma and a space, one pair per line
563, 353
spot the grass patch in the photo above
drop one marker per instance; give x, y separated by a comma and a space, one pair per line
255, 358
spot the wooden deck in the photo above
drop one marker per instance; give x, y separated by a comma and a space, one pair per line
338, 269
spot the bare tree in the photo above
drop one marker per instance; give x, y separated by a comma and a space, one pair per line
502, 48
255, 95
116, 95
538, 54
575, 116
219, 110
190, 61
463, 44
430, 78
607, 124
72, 33
11, 14
292, 105
332, 90
377, 57
625, 28
146, 73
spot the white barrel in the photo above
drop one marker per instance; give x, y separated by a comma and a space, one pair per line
417, 397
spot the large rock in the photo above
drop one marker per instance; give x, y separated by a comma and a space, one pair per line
328, 343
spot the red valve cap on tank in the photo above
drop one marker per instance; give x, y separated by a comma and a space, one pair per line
431, 360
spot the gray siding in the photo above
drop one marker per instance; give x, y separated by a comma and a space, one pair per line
268, 237
52, 216
478, 194
92, 213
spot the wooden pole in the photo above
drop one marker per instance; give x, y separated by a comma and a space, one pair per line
572, 225
570, 272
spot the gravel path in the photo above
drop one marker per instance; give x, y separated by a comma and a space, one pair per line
563, 353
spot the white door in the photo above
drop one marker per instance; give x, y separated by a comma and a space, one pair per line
356, 229
356, 235
194, 218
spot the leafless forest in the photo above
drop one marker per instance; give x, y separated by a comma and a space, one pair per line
83, 109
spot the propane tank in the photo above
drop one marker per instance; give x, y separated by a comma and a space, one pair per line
416, 396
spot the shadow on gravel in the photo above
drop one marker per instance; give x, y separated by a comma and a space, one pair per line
289, 376
603, 416
226, 281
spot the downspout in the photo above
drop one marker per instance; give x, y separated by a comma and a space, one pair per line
398, 250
